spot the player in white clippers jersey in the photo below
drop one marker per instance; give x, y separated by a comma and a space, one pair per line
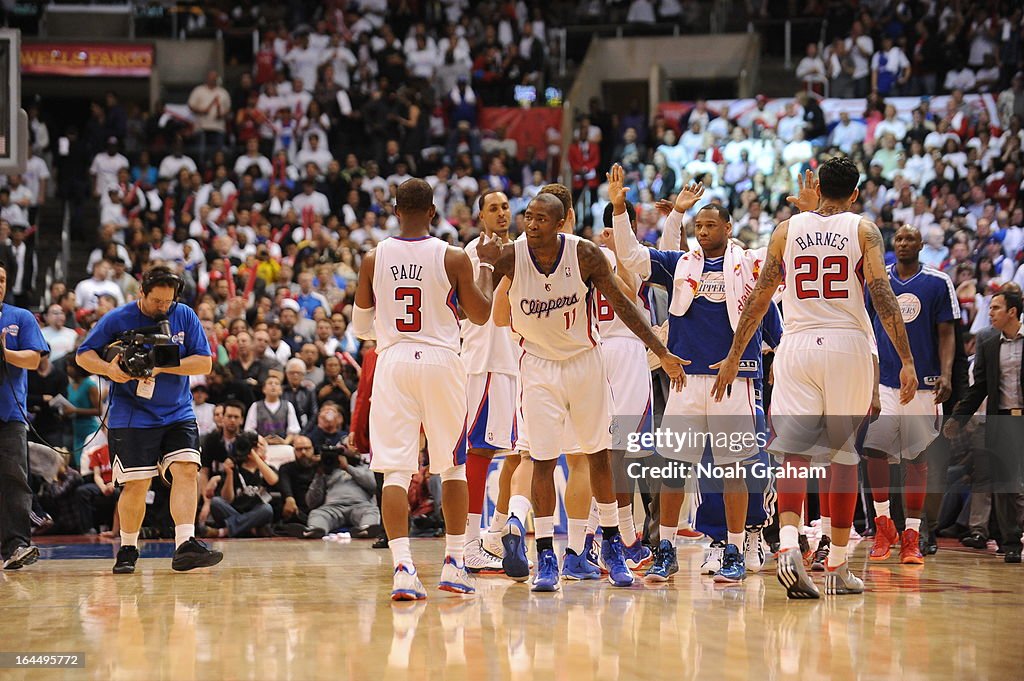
823, 368
552, 280
625, 360
409, 291
929, 307
492, 364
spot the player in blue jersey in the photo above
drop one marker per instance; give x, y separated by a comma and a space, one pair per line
152, 425
930, 309
708, 287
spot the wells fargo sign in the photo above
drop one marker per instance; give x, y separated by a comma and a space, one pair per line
86, 59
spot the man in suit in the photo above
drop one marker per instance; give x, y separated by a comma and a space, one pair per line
998, 376
20, 257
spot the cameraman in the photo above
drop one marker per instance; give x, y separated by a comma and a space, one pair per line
244, 500
341, 495
23, 348
152, 426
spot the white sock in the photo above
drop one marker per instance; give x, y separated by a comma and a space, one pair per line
544, 528
182, 533
608, 514
472, 527
498, 521
519, 506
400, 553
577, 535
667, 533
826, 527
789, 537
836, 556
592, 522
129, 538
882, 508
454, 544
627, 528
914, 524
736, 539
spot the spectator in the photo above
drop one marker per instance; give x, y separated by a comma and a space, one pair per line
272, 417
300, 394
211, 105
811, 69
330, 427
98, 495
640, 12
861, 48
248, 366
105, 166
84, 395
890, 69
61, 339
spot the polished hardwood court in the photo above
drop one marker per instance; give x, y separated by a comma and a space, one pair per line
298, 610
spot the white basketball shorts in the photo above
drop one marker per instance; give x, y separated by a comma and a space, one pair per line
491, 399
903, 431
696, 421
821, 395
417, 386
625, 361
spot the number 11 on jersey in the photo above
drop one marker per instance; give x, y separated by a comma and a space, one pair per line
570, 318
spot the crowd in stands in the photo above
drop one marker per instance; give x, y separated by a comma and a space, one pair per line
266, 197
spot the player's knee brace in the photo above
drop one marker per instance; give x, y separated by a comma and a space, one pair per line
398, 479
454, 473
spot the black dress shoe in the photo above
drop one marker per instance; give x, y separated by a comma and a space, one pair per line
1012, 556
931, 547
975, 541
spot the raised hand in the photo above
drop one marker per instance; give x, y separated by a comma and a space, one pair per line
807, 196
616, 187
689, 196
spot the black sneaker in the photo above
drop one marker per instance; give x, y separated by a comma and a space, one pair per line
194, 554
820, 559
975, 541
126, 557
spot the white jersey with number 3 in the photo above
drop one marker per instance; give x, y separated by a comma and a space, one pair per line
553, 313
824, 274
414, 298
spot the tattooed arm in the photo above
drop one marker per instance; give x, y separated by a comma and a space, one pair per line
886, 306
754, 309
595, 269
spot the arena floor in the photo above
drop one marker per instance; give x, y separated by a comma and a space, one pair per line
287, 609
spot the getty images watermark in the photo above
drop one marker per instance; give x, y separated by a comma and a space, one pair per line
667, 441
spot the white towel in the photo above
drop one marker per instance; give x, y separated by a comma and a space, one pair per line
740, 270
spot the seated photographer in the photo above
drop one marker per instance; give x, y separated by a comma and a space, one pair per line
152, 427
272, 417
341, 495
59, 499
217, 447
243, 501
295, 479
330, 427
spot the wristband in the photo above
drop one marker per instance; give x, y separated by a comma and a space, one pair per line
487, 265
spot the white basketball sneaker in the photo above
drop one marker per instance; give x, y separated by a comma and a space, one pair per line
481, 561
713, 558
454, 578
753, 550
407, 585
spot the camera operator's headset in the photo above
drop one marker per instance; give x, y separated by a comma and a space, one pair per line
163, 276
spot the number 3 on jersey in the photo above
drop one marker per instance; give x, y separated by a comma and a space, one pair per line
413, 320
834, 270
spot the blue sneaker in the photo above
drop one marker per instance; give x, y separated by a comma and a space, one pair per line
515, 562
593, 559
733, 569
577, 567
665, 563
637, 555
614, 557
547, 572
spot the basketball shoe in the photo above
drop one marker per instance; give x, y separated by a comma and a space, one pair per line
22, 556
126, 559
665, 563
753, 550
885, 538
638, 556
733, 570
491, 542
839, 581
791, 574
614, 558
194, 554
910, 548
713, 558
481, 561
406, 585
547, 578
454, 578
515, 562
821, 554
578, 568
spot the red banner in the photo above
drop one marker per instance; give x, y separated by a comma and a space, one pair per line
528, 127
86, 59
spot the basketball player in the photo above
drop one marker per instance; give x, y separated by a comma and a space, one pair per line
929, 307
708, 285
824, 365
407, 293
553, 277
490, 356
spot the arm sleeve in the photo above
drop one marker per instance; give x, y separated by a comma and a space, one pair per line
946, 303
672, 233
633, 256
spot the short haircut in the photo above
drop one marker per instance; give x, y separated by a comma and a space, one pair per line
414, 196
1012, 299
551, 201
235, 404
838, 178
483, 197
723, 212
560, 192
295, 364
630, 211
